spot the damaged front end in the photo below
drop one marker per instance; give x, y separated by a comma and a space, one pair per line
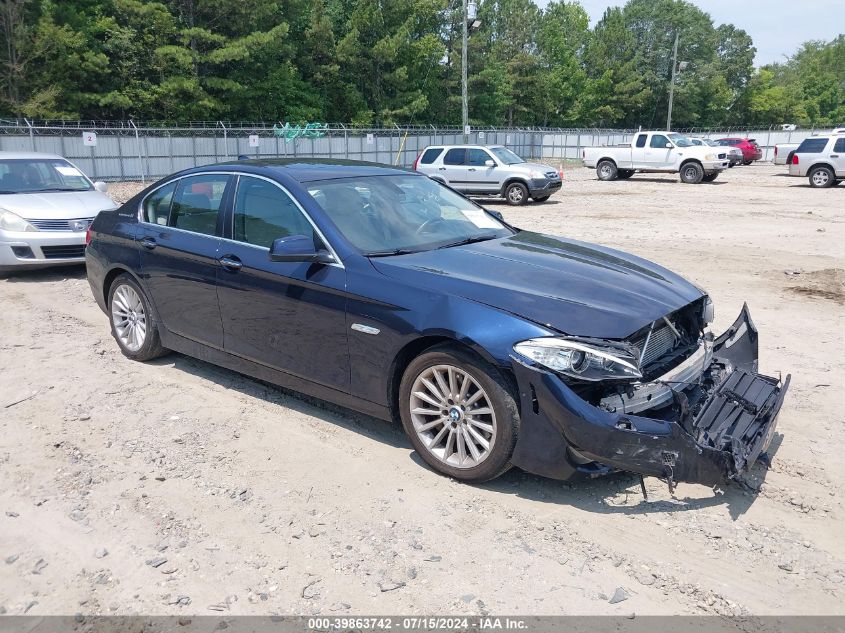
698, 411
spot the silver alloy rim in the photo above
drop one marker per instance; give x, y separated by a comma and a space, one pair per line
605, 171
820, 177
129, 318
515, 194
453, 416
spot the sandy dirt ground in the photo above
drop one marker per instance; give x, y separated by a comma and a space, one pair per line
175, 487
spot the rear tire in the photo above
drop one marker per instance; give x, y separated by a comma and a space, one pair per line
133, 322
747, 162
606, 170
710, 177
692, 173
541, 198
516, 194
624, 174
471, 447
821, 177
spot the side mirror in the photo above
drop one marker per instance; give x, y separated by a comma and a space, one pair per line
101, 186
669, 146
489, 163
298, 248
496, 214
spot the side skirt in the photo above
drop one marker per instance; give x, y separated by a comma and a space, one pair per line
274, 376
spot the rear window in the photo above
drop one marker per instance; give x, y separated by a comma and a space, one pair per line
430, 155
812, 146
641, 139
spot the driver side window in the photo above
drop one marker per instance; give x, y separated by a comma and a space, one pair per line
658, 141
263, 213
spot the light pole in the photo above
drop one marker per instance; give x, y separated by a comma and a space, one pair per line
470, 14
676, 68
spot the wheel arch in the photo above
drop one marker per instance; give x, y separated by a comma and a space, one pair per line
688, 161
113, 273
521, 180
821, 164
609, 159
420, 345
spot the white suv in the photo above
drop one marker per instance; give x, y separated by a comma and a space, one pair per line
493, 170
821, 159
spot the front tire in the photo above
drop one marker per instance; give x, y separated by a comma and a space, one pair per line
516, 194
747, 162
606, 170
692, 173
459, 414
133, 323
821, 177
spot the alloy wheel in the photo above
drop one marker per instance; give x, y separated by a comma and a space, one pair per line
820, 178
515, 194
453, 416
129, 317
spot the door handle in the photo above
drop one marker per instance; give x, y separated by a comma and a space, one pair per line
148, 242
230, 262
834, 155
442, 168
471, 169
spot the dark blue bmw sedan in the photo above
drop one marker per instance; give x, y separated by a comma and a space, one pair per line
388, 293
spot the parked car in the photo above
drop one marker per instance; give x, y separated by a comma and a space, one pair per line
734, 153
386, 292
785, 151
748, 146
655, 152
46, 206
494, 170
821, 159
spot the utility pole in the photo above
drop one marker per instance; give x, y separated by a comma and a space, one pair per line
464, 97
672, 87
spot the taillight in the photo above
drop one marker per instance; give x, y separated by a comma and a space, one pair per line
776, 150
88, 236
795, 159
417, 160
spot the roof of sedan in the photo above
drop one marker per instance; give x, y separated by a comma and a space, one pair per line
28, 155
311, 169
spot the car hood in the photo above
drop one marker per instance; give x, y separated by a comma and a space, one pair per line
529, 167
573, 287
56, 205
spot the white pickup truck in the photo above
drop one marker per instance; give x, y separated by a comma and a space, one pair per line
658, 152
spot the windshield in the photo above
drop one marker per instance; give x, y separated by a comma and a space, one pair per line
711, 142
27, 175
506, 156
680, 140
391, 215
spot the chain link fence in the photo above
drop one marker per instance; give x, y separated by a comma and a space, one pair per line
129, 150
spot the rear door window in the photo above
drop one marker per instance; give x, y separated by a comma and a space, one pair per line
430, 155
196, 204
455, 156
840, 145
812, 146
641, 139
157, 204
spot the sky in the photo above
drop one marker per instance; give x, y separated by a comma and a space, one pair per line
778, 27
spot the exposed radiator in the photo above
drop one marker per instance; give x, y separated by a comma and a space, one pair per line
661, 342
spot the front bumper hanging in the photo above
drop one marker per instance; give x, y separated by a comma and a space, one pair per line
562, 435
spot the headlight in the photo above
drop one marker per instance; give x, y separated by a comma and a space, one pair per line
709, 312
11, 222
537, 174
580, 360
711, 157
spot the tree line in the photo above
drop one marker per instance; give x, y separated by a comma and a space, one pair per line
380, 62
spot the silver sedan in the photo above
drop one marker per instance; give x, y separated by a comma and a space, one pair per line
46, 207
